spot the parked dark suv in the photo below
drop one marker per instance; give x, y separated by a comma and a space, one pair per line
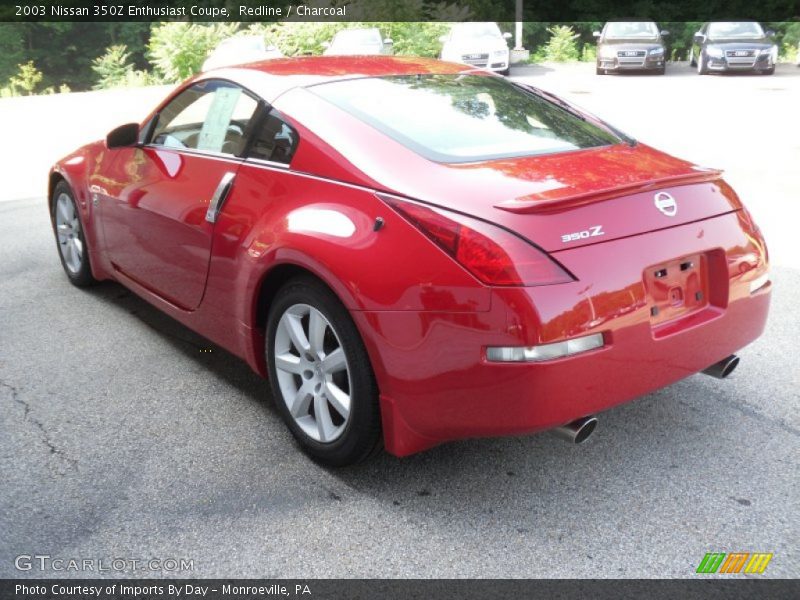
733, 46
630, 46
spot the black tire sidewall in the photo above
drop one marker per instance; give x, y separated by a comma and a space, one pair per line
84, 275
361, 436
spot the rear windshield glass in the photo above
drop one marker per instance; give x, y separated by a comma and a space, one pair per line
463, 118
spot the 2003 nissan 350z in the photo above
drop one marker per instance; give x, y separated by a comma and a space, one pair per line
414, 251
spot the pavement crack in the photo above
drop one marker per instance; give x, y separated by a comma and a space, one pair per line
43, 433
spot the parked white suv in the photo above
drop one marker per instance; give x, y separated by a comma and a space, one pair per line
477, 44
353, 41
240, 50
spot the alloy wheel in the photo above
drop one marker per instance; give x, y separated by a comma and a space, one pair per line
68, 229
313, 373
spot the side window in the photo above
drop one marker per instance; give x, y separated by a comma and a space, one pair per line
211, 116
275, 140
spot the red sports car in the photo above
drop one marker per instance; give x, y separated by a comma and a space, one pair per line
414, 251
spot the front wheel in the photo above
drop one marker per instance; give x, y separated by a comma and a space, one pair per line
320, 374
702, 69
70, 238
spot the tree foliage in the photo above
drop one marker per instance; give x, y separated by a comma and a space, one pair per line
562, 45
27, 78
177, 49
81, 55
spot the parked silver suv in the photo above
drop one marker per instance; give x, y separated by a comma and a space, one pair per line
630, 46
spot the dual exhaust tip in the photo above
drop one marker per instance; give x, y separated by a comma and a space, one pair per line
579, 430
576, 432
723, 368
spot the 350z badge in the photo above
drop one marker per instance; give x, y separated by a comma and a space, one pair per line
593, 231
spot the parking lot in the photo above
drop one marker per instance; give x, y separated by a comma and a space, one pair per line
123, 434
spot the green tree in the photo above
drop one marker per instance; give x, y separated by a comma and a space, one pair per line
27, 79
177, 50
562, 45
112, 68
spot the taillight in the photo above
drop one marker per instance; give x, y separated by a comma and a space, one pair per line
492, 254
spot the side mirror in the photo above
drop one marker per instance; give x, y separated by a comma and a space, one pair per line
769, 32
123, 136
443, 38
388, 42
664, 33
596, 34
326, 45
699, 38
507, 35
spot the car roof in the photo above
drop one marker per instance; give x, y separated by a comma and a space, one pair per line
271, 78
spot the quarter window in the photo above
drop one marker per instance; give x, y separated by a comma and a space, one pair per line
275, 140
210, 116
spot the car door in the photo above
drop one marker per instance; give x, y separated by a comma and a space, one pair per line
163, 196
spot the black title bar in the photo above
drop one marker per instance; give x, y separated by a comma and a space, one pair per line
396, 10
394, 589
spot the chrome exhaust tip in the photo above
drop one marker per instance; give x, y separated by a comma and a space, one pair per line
723, 368
576, 432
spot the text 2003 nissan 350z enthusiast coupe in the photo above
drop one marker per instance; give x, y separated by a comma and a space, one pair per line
412, 251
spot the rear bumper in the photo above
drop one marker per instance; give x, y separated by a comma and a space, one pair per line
437, 385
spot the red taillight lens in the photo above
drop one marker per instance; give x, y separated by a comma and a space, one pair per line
492, 254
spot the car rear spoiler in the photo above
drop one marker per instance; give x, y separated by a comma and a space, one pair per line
541, 203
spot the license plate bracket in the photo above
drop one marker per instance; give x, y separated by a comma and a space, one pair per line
677, 288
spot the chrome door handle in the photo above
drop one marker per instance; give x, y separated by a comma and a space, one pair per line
220, 194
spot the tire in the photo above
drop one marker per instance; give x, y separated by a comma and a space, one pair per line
505, 72
69, 234
320, 396
692, 61
661, 71
702, 69
770, 71
599, 71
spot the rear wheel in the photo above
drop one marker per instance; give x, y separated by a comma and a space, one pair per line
692, 61
320, 374
70, 237
599, 71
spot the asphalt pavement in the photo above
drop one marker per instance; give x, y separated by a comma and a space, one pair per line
125, 435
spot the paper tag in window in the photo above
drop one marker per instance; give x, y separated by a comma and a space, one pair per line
215, 126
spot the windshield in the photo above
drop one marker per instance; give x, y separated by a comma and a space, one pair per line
631, 30
357, 37
465, 31
735, 30
463, 118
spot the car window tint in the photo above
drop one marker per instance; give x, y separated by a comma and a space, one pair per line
275, 140
211, 116
463, 118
